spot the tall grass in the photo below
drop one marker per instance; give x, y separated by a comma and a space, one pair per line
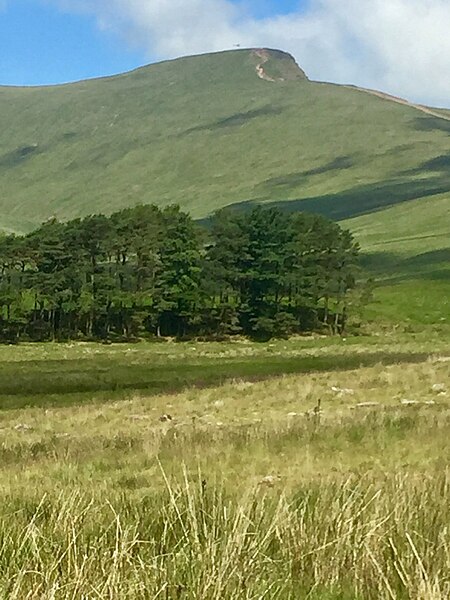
383, 537
247, 493
171, 525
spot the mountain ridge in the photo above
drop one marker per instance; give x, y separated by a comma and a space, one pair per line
272, 52
389, 97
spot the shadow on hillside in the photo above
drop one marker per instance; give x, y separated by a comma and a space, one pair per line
361, 200
236, 120
293, 180
431, 266
429, 258
18, 156
439, 164
386, 260
432, 124
436, 275
380, 262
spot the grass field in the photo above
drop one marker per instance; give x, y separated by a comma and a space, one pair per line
414, 304
190, 471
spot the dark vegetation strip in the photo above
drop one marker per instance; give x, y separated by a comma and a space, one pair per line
65, 383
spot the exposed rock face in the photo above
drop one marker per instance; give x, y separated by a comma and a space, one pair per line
277, 66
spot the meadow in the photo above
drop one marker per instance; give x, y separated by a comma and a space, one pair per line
311, 468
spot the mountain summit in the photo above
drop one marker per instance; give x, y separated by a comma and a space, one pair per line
276, 66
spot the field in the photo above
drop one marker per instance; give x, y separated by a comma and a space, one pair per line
311, 468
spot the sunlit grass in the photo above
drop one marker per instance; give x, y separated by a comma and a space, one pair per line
345, 537
64, 374
330, 484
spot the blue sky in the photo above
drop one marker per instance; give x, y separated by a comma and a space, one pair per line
42, 44
399, 46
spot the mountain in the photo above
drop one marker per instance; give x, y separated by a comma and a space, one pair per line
237, 127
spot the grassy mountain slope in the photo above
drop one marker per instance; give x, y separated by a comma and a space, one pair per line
407, 250
208, 131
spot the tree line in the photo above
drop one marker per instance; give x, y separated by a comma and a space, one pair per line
147, 271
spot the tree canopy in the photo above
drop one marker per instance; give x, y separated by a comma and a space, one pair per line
151, 272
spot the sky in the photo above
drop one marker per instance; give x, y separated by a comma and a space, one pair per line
398, 46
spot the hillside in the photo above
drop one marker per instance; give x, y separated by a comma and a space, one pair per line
236, 127
212, 130
173, 132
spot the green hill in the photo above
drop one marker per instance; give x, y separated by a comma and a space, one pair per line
230, 128
208, 131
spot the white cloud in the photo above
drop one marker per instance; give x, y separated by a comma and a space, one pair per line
398, 46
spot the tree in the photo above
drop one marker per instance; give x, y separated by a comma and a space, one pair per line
177, 288
144, 270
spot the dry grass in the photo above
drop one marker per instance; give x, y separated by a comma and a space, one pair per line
246, 492
336, 538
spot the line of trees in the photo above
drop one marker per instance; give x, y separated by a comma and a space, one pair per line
151, 272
